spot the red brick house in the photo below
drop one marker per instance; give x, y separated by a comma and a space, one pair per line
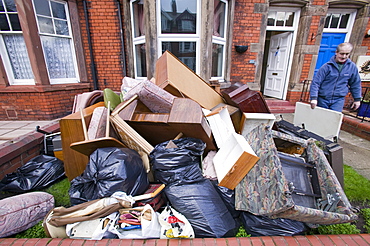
52, 50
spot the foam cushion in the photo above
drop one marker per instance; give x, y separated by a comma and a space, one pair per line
20, 212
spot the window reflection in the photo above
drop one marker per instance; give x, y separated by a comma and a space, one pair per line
140, 60
336, 21
217, 60
178, 16
185, 51
219, 19
275, 18
138, 21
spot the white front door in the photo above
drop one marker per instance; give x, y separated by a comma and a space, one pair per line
277, 65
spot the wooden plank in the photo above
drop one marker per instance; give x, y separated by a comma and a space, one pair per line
186, 116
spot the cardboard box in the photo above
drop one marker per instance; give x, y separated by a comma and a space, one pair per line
175, 77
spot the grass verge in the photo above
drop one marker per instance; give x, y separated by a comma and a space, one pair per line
356, 188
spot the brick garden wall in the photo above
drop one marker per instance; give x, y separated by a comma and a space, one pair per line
28, 105
18, 151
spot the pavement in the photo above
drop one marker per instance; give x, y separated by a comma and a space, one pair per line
356, 150
12, 129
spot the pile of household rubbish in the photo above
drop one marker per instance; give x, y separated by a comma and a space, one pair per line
176, 157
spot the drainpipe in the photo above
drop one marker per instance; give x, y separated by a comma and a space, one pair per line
123, 57
92, 64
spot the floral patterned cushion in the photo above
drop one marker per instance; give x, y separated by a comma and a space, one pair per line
20, 212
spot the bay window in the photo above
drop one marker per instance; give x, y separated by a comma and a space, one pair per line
182, 27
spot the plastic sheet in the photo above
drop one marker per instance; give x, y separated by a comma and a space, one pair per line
264, 226
109, 170
40, 172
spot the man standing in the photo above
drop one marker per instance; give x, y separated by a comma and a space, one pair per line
333, 80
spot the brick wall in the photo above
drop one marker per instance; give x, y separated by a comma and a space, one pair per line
247, 25
106, 42
43, 105
17, 152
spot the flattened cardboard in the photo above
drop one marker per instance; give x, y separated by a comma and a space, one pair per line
233, 161
175, 77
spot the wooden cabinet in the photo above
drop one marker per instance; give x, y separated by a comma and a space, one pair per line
179, 80
72, 131
248, 101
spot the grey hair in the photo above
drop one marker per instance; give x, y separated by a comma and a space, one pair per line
342, 45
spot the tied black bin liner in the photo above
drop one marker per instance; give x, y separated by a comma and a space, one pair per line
188, 192
110, 170
179, 165
263, 226
40, 172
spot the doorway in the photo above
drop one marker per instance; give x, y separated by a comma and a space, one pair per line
282, 24
276, 67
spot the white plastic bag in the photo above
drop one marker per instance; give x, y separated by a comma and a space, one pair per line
174, 225
92, 229
149, 223
150, 227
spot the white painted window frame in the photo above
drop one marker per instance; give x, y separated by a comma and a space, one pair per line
70, 37
351, 21
222, 41
175, 37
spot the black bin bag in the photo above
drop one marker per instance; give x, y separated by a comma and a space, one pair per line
109, 170
40, 172
188, 192
263, 226
228, 196
178, 165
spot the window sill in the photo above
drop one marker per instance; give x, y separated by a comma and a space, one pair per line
44, 88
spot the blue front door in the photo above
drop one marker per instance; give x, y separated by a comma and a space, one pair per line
329, 43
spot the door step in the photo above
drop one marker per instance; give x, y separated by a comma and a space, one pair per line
277, 106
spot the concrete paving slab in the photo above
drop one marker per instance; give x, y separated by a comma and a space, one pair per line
5, 131
15, 124
14, 134
38, 123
